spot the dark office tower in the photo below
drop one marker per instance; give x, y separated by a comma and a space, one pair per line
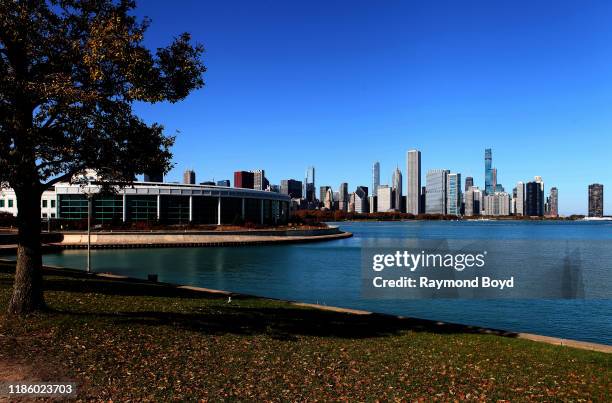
152, 176
469, 182
534, 199
553, 202
596, 200
244, 179
224, 182
489, 187
343, 197
189, 177
291, 188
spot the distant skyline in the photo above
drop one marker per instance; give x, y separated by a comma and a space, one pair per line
339, 85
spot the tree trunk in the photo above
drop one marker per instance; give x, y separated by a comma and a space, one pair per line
27, 289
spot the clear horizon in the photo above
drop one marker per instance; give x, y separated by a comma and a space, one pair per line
339, 86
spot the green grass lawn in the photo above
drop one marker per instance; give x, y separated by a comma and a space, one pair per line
123, 340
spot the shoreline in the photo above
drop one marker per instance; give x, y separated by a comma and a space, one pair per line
178, 239
578, 344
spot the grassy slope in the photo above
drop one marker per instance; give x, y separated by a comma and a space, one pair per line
123, 340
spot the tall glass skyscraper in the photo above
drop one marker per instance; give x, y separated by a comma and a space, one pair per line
453, 192
413, 182
375, 177
435, 196
489, 186
309, 185
397, 189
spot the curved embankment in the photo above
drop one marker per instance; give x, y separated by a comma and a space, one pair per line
160, 239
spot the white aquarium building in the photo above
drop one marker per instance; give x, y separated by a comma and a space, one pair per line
167, 203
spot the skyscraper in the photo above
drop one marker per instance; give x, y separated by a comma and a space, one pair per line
328, 199
189, 177
413, 182
351, 204
223, 182
259, 179
596, 200
489, 187
372, 203
473, 200
553, 202
534, 199
493, 180
309, 185
435, 198
292, 188
361, 200
519, 202
497, 204
453, 194
384, 198
343, 197
469, 182
244, 179
375, 177
539, 181
323, 193
396, 181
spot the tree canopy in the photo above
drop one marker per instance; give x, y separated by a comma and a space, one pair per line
70, 72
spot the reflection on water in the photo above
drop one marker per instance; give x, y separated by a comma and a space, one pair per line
330, 273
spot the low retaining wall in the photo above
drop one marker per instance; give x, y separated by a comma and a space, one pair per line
198, 238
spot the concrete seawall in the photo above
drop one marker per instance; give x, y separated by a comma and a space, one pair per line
71, 240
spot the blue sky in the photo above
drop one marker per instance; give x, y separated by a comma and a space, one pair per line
341, 84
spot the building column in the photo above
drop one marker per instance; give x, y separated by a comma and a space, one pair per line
243, 209
219, 212
124, 207
261, 211
190, 208
158, 207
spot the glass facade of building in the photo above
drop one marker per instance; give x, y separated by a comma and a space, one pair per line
454, 194
141, 208
489, 171
436, 191
173, 209
73, 207
108, 209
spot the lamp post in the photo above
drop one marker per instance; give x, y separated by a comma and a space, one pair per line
89, 208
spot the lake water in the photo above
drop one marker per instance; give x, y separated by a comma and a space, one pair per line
330, 273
